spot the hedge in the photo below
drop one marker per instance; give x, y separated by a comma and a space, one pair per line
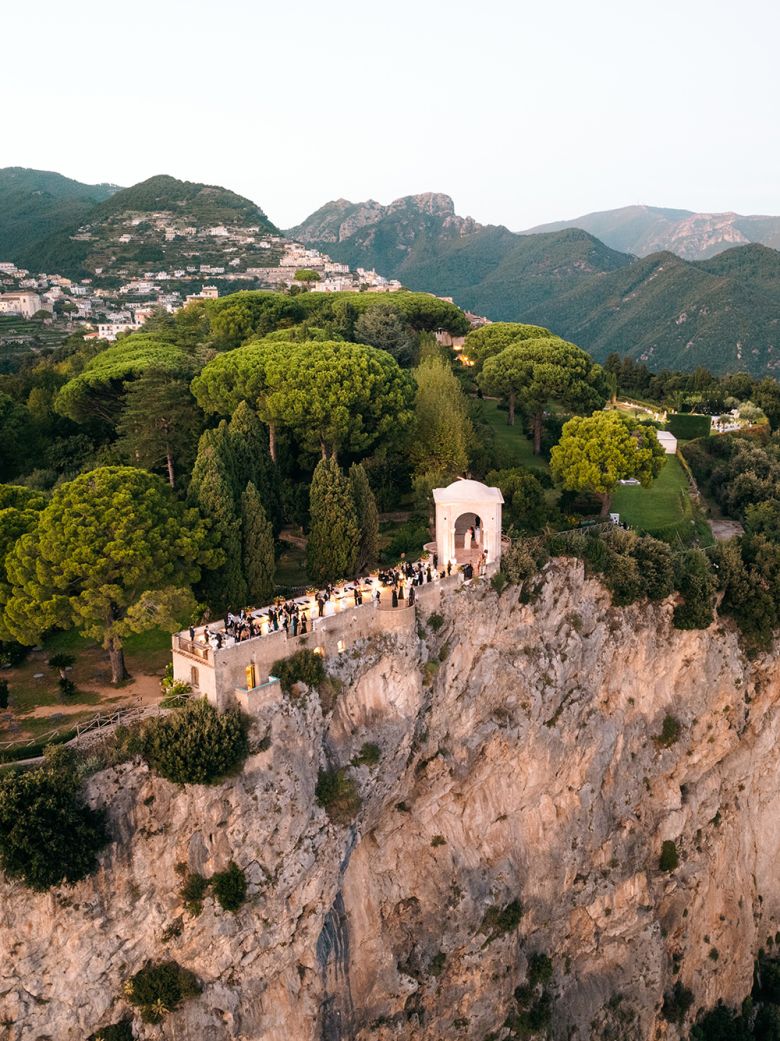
688, 425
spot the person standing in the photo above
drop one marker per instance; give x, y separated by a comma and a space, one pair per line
394, 600
467, 540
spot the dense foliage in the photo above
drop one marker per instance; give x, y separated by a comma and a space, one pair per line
159, 988
302, 667
113, 553
48, 834
195, 744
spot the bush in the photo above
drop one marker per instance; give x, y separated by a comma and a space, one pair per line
176, 693
229, 887
540, 968
677, 1001
193, 891
669, 858
499, 920
302, 667
48, 834
67, 687
369, 755
196, 745
337, 793
697, 586
670, 732
121, 1031
435, 621
499, 582
159, 988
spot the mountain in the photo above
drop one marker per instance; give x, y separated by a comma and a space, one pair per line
723, 313
643, 230
422, 242
161, 222
37, 203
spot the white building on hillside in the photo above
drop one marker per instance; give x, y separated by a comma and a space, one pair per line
25, 304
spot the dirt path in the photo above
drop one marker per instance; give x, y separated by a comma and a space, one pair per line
723, 530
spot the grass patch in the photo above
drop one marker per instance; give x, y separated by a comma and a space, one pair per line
665, 509
511, 447
291, 567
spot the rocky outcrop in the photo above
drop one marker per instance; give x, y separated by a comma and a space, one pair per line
519, 762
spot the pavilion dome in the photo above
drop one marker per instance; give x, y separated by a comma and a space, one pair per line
466, 492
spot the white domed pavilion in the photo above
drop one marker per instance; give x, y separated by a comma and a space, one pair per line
468, 522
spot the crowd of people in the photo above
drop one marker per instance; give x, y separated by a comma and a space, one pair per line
297, 617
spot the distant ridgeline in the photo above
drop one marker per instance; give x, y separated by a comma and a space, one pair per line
722, 312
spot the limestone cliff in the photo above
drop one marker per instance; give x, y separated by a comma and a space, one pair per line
519, 762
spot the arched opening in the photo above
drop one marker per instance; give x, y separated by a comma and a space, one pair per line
468, 537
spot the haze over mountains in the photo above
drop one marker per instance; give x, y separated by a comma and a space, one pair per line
722, 311
694, 236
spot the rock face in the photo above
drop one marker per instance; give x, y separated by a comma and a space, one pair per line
519, 763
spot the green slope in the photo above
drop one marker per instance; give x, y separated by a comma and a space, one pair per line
95, 241
722, 313
35, 204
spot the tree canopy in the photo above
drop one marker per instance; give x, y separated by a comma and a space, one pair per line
595, 452
334, 395
488, 340
543, 370
334, 534
113, 553
97, 390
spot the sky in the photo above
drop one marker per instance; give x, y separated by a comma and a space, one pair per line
522, 112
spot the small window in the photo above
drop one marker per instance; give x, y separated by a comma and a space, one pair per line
194, 676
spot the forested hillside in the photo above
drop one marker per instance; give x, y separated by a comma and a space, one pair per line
723, 312
37, 203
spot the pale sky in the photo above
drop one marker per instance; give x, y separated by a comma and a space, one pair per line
522, 112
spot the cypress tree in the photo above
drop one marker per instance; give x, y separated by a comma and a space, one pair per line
258, 546
367, 517
334, 533
211, 491
249, 444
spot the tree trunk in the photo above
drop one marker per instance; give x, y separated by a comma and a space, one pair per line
116, 656
169, 464
272, 441
606, 502
511, 417
538, 417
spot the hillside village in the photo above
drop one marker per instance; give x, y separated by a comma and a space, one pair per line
109, 308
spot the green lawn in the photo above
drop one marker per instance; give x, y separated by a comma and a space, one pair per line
513, 447
665, 508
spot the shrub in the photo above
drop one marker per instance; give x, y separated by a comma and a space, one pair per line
677, 1001
67, 687
121, 1031
499, 920
436, 967
438, 840
337, 793
48, 834
697, 586
193, 891
159, 988
540, 968
499, 582
197, 745
369, 755
435, 621
669, 858
176, 693
670, 731
229, 887
721, 1024
302, 667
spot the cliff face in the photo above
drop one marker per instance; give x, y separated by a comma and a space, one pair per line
523, 767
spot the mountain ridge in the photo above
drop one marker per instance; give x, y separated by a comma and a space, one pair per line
643, 230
